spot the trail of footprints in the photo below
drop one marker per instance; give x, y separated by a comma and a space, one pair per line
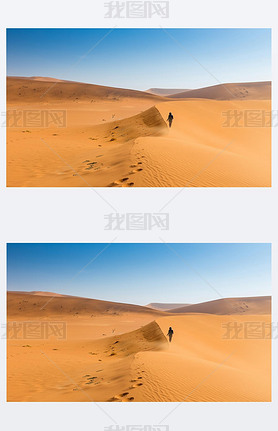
127, 396
89, 165
124, 182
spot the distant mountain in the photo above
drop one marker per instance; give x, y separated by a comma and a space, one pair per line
165, 306
165, 91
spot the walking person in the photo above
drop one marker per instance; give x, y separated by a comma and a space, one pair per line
170, 334
170, 119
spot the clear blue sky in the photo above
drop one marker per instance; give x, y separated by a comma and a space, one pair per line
142, 273
141, 58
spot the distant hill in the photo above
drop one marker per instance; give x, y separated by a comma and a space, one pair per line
165, 306
38, 89
249, 305
165, 91
247, 90
46, 304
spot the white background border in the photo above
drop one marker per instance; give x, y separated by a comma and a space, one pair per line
196, 215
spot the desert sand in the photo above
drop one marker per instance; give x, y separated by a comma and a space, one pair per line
120, 138
120, 353
230, 91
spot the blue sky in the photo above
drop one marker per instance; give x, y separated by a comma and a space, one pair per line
142, 58
142, 273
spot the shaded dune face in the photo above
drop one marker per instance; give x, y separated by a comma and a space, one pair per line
148, 337
147, 123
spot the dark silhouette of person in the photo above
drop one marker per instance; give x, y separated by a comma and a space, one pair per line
170, 119
170, 334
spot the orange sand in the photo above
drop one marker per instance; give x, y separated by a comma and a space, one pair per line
119, 138
119, 352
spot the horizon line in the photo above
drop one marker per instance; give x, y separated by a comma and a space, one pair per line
60, 80
129, 303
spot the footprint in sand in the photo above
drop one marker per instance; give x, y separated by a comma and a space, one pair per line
140, 169
124, 394
113, 399
121, 397
91, 380
121, 183
115, 184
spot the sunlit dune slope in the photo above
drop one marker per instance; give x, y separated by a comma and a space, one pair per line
249, 305
230, 91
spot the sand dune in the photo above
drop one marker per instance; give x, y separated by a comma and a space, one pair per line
165, 306
230, 91
120, 353
88, 156
199, 151
256, 305
201, 365
51, 305
35, 90
119, 138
